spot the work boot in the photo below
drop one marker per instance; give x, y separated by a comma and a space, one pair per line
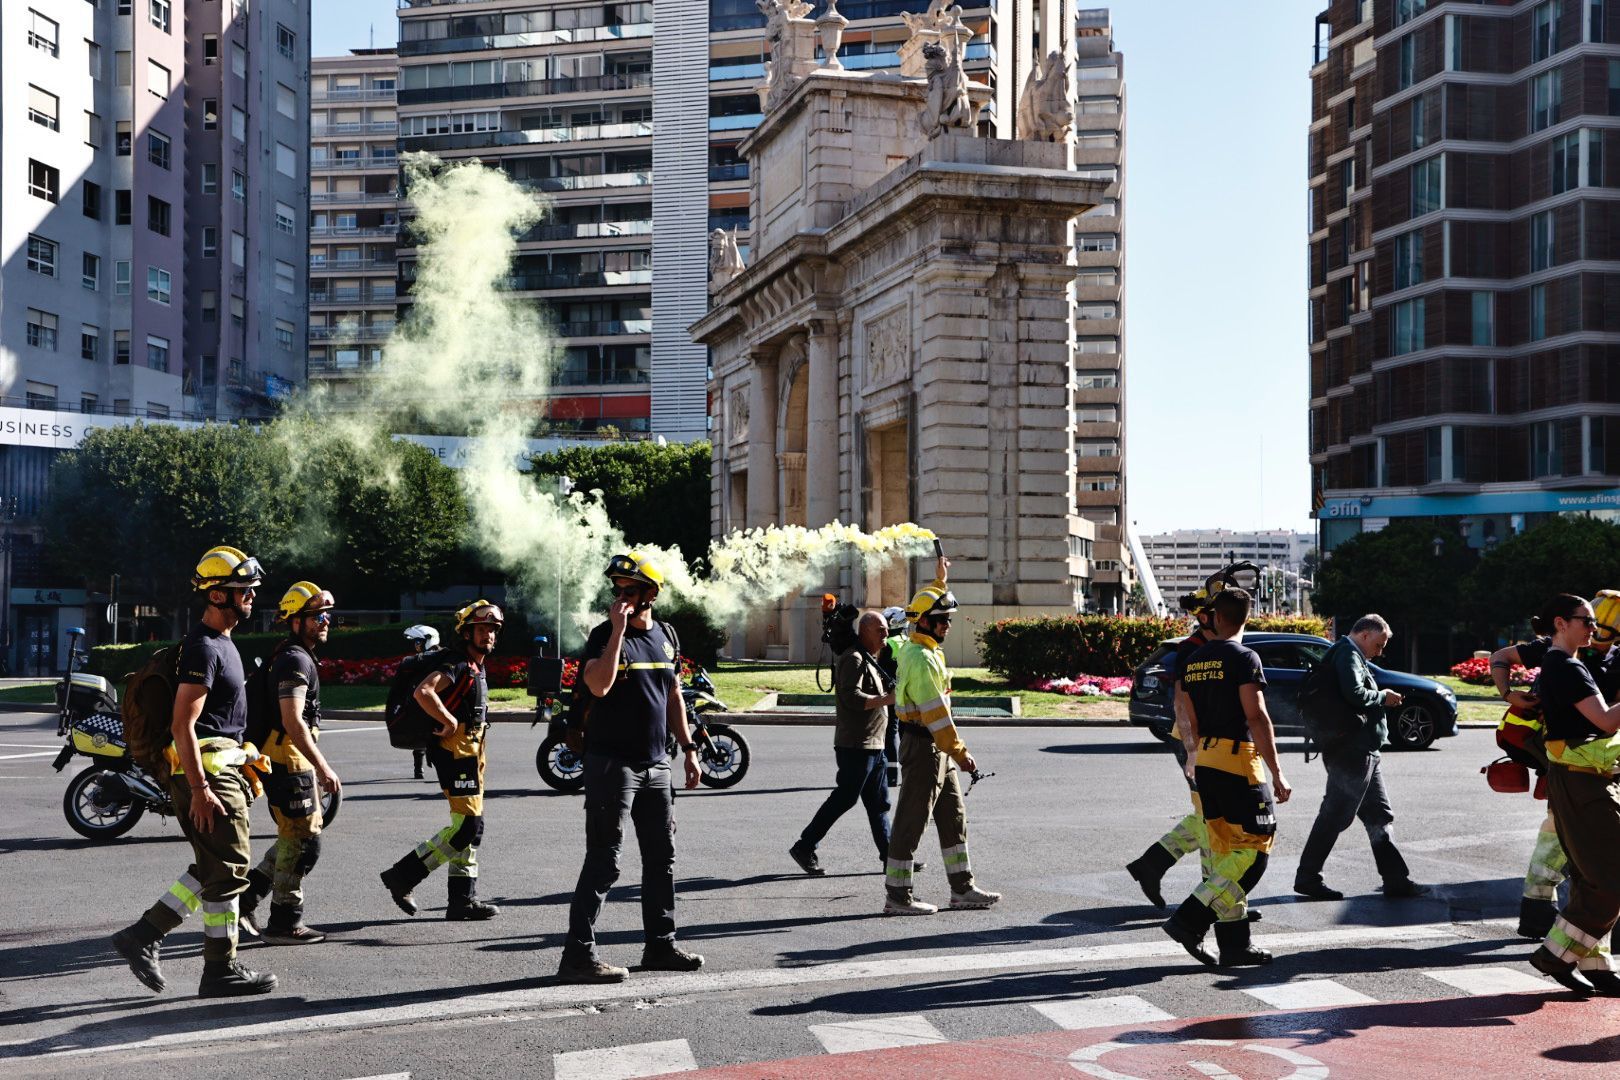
1149, 869
228, 978
247, 905
589, 971
1236, 951
972, 898
1560, 972
806, 858
908, 906
400, 879
1315, 889
1187, 928
1606, 983
668, 956
138, 943
464, 903
286, 927
1536, 917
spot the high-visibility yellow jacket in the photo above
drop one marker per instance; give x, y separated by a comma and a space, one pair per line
922, 693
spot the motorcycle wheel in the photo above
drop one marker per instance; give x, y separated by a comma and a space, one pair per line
725, 760
330, 801
95, 820
559, 767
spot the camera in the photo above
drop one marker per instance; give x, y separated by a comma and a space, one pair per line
838, 624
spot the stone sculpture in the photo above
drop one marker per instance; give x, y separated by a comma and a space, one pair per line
1046, 111
788, 32
725, 258
940, 17
947, 105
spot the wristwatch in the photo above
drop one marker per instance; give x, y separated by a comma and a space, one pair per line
688, 748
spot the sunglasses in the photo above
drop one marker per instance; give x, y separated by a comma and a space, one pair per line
1587, 619
628, 590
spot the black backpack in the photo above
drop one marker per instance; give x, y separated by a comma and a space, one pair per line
409, 725
262, 702
1328, 718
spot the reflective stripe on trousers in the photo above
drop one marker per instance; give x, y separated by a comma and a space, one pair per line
1548, 864
182, 896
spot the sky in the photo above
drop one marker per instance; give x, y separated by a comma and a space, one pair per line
1217, 109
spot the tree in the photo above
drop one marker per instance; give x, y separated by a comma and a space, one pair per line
654, 494
1579, 555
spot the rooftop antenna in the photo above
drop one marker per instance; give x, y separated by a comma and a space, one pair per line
371, 36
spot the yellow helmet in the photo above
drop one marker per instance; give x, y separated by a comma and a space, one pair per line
305, 598
1606, 609
479, 613
635, 567
930, 600
226, 568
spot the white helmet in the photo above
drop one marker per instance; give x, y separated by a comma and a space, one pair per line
895, 619
423, 637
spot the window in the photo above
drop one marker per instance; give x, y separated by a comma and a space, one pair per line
1347, 176
1544, 455
210, 114
286, 160
210, 178
1096, 448
43, 108
286, 101
1097, 414
157, 353
284, 335
210, 241
157, 215
41, 329
121, 277
1544, 30
286, 277
238, 186
1541, 240
286, 218
209, 303
92, 129
238, 124
90, 271
93, 52
158, 285
1407, 327
41, 395
89, 349
1103, 242
43, 33
1484, 318
157, 410
238, 249
159, 80
42, 256
1420, 123
157, 149
1428, 180
92, 200
122, 66
1409, 259
121, 356
1594, 20
210, 49
44, 181
1095, 379
1105, 346
238, 311
1408, 61
123, 139
1614, 87
123, 206
1454, 43
1407, 10
1538, 312
158, 11
1577, 161
1546, 100
286, 41
87, 403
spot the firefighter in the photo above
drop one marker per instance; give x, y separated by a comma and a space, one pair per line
297, 768
456, 696
930, 754
1226, 691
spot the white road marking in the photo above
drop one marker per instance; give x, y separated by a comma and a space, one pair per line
37, 753
30, 746
1480, 981
1077, 1014
569, 998
385, 1076
621, 1062
880, 1033
1307, 994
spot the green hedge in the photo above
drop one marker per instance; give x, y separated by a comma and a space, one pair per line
359, 643
1054, 647
1289, 624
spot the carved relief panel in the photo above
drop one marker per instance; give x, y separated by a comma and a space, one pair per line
887, 347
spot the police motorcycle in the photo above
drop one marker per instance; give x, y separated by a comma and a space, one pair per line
109, 796
723, 753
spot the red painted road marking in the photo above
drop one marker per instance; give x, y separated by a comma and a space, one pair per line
1517, 1036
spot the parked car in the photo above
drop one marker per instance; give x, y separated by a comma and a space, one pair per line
1428, 712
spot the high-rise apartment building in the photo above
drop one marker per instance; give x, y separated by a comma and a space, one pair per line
152, 238
1182, 560
354, 216
1464, 283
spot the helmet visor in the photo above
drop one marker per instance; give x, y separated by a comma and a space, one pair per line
247, 575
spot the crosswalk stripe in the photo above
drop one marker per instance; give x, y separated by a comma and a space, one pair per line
1077, 1014
1307, 994
879, 1033
386, 1076
1480, 981
623, 1062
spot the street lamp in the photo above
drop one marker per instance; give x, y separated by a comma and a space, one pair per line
565, 487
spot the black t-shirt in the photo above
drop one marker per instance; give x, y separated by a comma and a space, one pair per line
1563, 684
1189, 645
1533, 653
467, 698
631, 721
209, 658
293, 668
1212, 678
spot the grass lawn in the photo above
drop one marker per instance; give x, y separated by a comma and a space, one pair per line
1474, 703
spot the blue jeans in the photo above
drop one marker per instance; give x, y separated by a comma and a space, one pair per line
861, 778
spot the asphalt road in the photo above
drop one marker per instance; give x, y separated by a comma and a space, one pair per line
793, 961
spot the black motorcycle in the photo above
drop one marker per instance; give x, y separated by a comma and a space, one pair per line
723, 753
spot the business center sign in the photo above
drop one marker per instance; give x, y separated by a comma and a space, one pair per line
61, 430
1496, 502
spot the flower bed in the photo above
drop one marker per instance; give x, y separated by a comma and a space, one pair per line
1477, 670
1085, 686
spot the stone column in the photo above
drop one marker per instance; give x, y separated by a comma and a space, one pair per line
821, 470
762, 440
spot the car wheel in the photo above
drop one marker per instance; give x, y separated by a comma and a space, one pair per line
1412, 727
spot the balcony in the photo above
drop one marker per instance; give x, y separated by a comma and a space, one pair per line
588, 183
605, 329
601, 377
477, 140
533, 282
340, 367
351, 95
739, 171
742, 122
377, 331
587, 230
864, 61
353, 196
338, 232
564, 36
349, 296
531, 88
374, 127
349, 164
344, 266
